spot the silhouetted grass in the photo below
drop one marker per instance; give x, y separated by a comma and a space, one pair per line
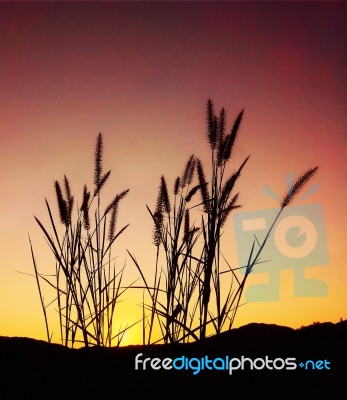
187, 296
86, 282
195, 289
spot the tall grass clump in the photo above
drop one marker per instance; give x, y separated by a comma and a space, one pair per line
188, 293
86, 283
175, 237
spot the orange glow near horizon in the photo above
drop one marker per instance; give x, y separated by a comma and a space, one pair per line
141, 74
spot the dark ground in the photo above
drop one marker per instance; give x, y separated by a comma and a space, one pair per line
36, 369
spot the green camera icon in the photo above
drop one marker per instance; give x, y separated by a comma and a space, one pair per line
297, 241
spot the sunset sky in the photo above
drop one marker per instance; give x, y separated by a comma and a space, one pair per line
141, 73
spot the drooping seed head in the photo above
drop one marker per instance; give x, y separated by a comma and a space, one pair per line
298, 185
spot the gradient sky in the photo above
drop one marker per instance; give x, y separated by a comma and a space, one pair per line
141, 73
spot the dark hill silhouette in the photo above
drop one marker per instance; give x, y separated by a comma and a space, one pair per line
35, 367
